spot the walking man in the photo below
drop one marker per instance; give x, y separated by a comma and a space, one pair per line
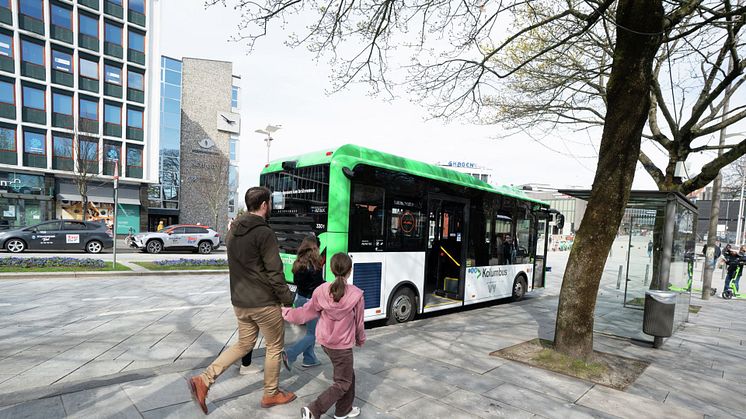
258, 290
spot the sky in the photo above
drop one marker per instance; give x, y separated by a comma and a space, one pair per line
286, 86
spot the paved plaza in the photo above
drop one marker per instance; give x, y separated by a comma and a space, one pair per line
121, 347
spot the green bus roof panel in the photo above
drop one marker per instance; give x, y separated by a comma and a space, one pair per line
376, 158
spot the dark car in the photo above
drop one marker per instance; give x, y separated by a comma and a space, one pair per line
93, 237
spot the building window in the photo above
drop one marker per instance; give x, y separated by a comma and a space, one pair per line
234, 97
112, 34
88, 110
62, 147
137, 6
113, 75
136, 41
112, 114
31, 8
233, 147
111, 152
62, 104
135, 80
33, 98
5, 4
6, 45
134, 118
232, 178
31, 52
88, 25
34, 143
62, 17
117, 2
7, 92
7, 139
88, 150
62, 61
88, 68
134, 162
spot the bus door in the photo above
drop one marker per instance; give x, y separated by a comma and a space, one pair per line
542, 235
445, 265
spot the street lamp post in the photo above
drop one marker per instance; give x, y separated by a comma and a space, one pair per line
116, 204
268, 132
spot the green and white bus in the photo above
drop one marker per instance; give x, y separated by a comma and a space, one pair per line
422, 237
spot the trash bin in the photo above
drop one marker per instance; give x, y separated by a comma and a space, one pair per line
657, 320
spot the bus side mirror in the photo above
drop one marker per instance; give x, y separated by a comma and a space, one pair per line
560, 221
349, 173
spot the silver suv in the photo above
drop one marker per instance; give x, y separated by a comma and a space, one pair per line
178, 237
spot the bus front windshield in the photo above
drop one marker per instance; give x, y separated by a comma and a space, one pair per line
306, 204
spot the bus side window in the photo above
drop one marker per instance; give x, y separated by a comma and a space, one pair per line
406, 225
524, 244
366, 219
504, 250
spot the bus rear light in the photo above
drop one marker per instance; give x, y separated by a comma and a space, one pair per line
378, 311
266, 165
329, 153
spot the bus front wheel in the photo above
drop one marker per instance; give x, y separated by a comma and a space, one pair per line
519, 288
403, 307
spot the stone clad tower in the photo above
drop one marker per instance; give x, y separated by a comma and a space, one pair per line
207, 126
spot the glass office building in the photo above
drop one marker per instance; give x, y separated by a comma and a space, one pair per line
74, 99
163, 198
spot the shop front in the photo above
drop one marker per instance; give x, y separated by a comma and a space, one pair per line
101, 204
25, 200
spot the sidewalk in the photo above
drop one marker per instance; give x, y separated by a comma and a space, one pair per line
440, 367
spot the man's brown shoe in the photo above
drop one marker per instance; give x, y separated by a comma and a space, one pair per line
282, 397
199, 391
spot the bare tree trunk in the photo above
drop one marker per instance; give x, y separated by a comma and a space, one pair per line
639, 26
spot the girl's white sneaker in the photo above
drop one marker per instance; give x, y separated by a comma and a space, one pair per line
355, 411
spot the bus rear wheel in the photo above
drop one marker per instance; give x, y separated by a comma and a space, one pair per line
519, 288
402, 308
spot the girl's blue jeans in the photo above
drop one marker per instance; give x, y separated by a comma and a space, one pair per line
306, 343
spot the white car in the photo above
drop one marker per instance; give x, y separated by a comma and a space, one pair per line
197, 238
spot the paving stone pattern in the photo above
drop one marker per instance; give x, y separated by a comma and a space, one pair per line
124, 347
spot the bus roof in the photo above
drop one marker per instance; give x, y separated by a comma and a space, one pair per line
389, 161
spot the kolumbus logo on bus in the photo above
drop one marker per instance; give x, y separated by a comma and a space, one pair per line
488, 272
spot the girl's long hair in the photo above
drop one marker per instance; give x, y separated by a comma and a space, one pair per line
308, 256
341, 265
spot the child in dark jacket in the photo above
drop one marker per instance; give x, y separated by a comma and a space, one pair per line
341, 310
307, 276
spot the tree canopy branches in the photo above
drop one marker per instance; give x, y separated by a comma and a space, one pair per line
528, 63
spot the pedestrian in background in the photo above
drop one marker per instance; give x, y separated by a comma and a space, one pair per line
160, 226
340, 328
307, 276
258, 290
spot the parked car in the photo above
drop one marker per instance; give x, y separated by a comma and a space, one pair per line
197, 238
93, 237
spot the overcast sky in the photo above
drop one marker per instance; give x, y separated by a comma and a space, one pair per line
286, 86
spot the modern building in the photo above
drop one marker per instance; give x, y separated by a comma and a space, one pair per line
163, 197
76, 108
199, 144
573, 209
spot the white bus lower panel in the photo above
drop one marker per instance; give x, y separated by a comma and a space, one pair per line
485, 283
378, 274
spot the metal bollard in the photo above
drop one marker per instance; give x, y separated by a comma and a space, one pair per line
647, 274
619, 278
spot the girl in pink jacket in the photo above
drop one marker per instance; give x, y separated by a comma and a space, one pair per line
340, 309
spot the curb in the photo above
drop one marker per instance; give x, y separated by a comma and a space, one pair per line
98, 274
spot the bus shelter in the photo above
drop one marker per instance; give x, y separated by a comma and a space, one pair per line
654, 250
